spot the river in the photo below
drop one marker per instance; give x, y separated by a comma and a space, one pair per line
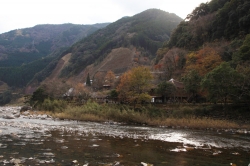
28, 140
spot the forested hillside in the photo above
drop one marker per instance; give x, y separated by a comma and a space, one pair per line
210, 52
218, 19
146, 31
26, 45
24, 52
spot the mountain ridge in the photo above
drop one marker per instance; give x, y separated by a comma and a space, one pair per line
139, 36
141, 30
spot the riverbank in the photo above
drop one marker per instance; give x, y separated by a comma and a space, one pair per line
174, 116
212, 117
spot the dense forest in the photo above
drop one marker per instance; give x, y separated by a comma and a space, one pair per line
210, 52
19, 76
216, 20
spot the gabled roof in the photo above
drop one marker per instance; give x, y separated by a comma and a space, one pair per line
177, 84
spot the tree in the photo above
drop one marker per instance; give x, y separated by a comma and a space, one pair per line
88, 83
172, 62
110, 78
220, 83
244, 52
191, 82
134, 85
243, 85
80, 92
98, 80
160, 53
55, 88
113, 93
203, 61
38, 97
165, 89
200, 11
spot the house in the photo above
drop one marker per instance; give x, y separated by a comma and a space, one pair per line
180, 95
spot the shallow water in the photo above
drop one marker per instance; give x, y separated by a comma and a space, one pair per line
55, 142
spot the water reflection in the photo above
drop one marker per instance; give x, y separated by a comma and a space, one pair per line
54, 142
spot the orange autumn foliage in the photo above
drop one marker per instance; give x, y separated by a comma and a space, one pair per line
134, 85
203, 61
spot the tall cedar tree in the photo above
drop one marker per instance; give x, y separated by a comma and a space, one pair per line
88, 83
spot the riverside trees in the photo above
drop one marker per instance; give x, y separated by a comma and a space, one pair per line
221, 83
135, 85
208, 76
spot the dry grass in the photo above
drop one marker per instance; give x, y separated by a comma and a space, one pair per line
196, 123
183, 117
192, 123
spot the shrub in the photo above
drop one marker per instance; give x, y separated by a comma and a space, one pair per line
53, 105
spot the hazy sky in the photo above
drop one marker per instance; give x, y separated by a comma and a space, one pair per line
16, 14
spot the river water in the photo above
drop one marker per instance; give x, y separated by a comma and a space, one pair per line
33, 141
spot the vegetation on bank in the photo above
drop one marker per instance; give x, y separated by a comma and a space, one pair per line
183, 116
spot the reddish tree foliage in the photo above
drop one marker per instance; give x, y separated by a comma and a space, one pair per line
203, 61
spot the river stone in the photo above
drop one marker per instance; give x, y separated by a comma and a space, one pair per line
17, 115
15, 162
49, 154
50, 161
15, 112
26, 113
5, 162
64, 147
43, 117
8, 117
42, 161
146, 164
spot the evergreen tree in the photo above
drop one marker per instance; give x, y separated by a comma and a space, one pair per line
88, 83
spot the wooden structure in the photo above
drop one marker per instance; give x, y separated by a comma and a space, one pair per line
180, 94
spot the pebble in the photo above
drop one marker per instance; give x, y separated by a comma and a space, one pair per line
64, 147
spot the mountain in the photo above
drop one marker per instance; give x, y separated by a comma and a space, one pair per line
22, 46
24, 52
117, 47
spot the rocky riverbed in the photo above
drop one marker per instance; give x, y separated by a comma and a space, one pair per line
27, 138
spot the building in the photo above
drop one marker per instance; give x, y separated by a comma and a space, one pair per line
180, 95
